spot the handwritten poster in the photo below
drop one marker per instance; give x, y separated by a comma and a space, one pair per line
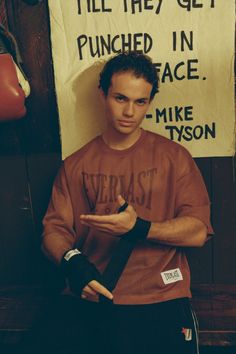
191, 43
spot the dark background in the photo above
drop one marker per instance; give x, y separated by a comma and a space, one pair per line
30, 155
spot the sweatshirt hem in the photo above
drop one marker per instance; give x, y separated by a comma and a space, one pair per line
139, 300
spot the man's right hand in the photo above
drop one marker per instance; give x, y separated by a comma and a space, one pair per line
94, 288
82, 275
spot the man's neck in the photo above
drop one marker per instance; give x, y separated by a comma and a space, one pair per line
118, 141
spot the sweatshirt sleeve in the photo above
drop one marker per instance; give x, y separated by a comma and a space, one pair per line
59, 234
192, 197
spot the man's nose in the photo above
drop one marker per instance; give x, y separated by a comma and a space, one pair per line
129, 109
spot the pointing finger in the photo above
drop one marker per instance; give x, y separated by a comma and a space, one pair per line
95, 285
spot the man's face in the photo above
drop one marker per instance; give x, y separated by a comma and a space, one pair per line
127, 102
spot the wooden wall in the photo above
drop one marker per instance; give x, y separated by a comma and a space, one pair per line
29, 148
30, 156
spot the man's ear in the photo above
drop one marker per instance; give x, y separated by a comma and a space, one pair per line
151, 99
102, 95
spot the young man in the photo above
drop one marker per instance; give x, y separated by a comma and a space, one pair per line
129, 181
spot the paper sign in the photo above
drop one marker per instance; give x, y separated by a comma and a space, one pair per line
191, 43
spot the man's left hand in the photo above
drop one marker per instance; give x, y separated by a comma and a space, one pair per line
116, 224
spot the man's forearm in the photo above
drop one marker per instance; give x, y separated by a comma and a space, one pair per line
55, 245
183, 231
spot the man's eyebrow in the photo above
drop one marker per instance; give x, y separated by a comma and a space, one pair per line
118, 93
143, 98
137, 99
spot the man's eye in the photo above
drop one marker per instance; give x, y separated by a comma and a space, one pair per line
141, 102
120, 98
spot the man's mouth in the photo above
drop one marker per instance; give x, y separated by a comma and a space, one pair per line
125, 123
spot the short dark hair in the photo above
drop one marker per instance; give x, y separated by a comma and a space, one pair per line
136, 62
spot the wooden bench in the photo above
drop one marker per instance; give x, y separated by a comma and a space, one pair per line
215, 306
20, 307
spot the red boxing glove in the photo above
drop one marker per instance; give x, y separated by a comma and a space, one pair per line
14, 87
12, 97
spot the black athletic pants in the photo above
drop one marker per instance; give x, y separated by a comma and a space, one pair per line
73, 326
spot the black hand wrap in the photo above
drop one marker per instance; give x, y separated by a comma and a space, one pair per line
139, 231
122, 252
79, 272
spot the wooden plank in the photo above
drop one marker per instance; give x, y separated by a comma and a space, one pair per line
200, 259
200, 262
215, 306
12, 141
224, 219
218, 339
205, 167
42, 169
16, 238
20, 309
3, 15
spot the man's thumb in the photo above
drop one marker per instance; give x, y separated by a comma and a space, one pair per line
123, 204
121, 200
